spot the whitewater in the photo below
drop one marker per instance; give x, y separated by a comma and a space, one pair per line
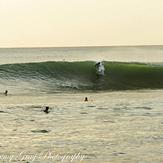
121, 121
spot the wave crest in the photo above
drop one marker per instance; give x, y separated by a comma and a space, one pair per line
51, 76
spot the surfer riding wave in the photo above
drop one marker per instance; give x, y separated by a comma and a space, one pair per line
100, 69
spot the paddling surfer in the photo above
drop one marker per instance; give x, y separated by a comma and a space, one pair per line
46, 110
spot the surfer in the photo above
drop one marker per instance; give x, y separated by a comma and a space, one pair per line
6, 92
100, 68
86, 99
97, 64
46, 110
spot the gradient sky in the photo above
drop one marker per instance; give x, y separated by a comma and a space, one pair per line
35, 23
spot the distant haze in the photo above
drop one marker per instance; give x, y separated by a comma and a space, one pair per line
37, 23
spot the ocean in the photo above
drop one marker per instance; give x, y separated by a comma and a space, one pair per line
120, 123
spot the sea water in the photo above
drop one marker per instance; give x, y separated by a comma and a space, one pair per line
121, 122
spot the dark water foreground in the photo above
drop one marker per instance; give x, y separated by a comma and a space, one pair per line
116, 127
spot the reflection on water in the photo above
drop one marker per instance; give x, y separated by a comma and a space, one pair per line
110, 127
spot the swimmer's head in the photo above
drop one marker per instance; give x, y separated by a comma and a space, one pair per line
86, 99
6, 92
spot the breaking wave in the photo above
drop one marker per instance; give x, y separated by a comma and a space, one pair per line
66, 76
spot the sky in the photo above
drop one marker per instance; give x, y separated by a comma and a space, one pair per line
55, 23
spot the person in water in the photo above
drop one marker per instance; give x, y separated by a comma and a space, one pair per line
86, 99
46, 110
97, 64
6, 92
100, 68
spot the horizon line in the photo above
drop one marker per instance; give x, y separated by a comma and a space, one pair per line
82, 46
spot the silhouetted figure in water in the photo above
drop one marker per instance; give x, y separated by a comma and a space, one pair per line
86, 99
6, 92
46, 110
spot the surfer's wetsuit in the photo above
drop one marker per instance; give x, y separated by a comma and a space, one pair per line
99, 68
97, 64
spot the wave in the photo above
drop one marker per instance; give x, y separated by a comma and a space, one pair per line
62, 76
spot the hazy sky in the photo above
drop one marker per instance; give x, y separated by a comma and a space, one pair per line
80, 22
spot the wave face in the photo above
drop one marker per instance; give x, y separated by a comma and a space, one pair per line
49, 77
